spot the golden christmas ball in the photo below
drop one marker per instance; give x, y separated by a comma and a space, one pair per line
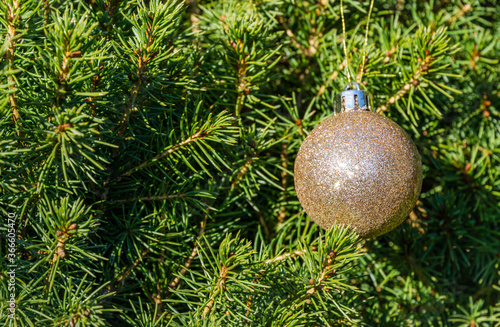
358, 168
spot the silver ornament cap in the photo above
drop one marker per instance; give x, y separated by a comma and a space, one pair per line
352, 98
358, 168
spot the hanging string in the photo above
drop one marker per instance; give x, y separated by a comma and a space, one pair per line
366, 41
344, 37
343, 41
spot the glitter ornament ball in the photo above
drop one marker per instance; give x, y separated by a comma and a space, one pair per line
358, 168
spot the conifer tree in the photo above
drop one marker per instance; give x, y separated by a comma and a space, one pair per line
147, 152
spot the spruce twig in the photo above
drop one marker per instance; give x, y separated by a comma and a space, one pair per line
173, 284
194, 138
284, 256
154, 198
13, 19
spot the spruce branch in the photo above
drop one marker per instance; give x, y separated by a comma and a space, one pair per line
143, 48
431, 47
330, 79
123, 123
95, 82
282, 257
13, 20
66, 52
218, 287
63, 74
263, 223
399, 94
312, 40
242, 172
424, 66
242, 84
326, 273
160, 294
131, 244
62, 238
110, 9
194, 138
175, 283
154, 198
284, 182
194, 11
46, 12
129, 269
459, 14
292, 36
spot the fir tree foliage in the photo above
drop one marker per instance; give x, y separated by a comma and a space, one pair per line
147, 150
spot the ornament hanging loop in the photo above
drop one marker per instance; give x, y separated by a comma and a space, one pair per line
352, 98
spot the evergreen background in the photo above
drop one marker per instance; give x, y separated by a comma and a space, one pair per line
147, 150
